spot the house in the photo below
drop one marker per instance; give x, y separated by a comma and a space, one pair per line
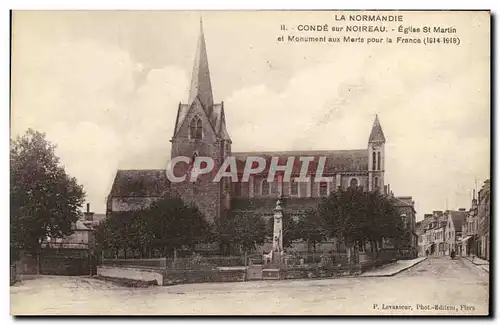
469, 238
83, 235
454, 230
483, 220
406, 207
432, 234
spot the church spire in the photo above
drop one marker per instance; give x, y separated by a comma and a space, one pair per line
201, 86
377, 135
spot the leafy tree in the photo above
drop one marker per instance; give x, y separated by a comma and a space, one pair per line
177, 225
245, 230
167, 225
310, 228
356, 217
45, 200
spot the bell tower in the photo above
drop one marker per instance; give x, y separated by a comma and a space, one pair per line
200, 131
376, 157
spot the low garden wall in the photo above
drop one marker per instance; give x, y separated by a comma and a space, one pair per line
146, 275
164, 277
163, 272
221, 274
318, 272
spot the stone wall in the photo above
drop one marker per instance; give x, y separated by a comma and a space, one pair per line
208, 275
145, 275
131, 203
315, 273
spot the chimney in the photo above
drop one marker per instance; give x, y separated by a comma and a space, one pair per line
89, 216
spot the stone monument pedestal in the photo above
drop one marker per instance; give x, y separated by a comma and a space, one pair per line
272, 270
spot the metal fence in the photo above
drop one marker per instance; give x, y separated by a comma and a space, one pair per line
318, 259
331, 260
183, 263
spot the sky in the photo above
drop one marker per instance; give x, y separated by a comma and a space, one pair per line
105, 87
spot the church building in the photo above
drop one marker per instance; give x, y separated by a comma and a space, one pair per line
201, 130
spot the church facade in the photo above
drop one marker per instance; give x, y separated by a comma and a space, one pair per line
201, 130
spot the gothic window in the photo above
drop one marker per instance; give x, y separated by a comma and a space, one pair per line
294, 188
195, 128
237, 189
378, 160
376, 182
323, 189
274, 188
374, 164
285, 188
265, 187
353, 183
256, 188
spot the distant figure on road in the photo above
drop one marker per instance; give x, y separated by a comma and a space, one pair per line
452, 254
427, 252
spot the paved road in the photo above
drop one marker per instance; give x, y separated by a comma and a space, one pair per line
436, 281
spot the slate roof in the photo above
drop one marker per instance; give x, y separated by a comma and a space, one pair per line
140, 183
458, 217
336, 160
403, 201
201, 85
376, 135
201, 89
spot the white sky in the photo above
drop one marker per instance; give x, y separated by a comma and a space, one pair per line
105, 87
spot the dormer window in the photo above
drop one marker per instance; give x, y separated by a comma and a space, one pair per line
195, 128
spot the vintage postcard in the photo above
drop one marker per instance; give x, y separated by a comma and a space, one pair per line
250, 163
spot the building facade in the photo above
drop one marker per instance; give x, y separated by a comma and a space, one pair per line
201, 130
469, 238
483, 220
454, 230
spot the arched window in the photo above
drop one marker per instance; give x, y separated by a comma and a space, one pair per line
353, 183
265, 187
237, 189
376, 182
323, 189
294, 188
256, 186
275, 188
374, 165
378, 160
196, 128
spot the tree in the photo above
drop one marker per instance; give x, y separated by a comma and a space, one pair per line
310, 228
246, 230
166, 225
176, 225
45, 200
356, 217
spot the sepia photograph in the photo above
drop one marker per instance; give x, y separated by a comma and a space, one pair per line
250, 163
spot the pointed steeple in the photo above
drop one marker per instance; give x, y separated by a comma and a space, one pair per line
201, 86
377, 135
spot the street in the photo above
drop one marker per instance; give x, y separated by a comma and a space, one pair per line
435, 286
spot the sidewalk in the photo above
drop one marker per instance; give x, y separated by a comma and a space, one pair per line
394, 268
483, 264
